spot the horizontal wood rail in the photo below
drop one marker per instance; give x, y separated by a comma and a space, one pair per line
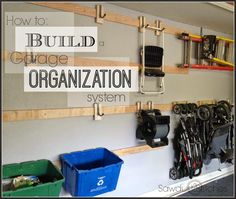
208, 101
80, 61
125, 151
223, 68
133, 150
110, 16
117, 18
39, 114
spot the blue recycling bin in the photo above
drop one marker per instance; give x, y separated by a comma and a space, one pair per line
90, 172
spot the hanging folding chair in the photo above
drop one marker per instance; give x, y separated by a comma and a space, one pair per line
152, 63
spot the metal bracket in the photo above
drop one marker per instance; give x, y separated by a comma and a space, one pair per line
150, 105
157, 27
142, 23
97, 111
100, 15
139, 106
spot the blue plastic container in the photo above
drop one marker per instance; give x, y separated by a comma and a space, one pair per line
90, 172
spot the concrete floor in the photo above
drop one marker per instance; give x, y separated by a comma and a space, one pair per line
221, 187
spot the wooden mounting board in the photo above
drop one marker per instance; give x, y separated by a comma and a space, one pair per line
80, 61
133, 150
110, 16
210, 101
124, 151
39, 114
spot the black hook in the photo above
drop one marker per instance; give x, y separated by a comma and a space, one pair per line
98, 111
104, 15
162, 29
100, 114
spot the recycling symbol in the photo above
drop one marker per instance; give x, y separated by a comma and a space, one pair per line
100, 182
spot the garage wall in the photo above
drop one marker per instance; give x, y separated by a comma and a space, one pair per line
29, 140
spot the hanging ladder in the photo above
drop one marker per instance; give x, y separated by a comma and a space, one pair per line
211, 48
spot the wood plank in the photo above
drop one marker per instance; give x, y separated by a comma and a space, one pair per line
163, 107
80, 61
117, 18
133, 150
176, 70
91, 12
110, 16
208, 101
40, 114
179, 102
173, 30
5, 55
69, 7
77, 61
124, 151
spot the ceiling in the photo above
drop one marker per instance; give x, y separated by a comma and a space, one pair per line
214, 16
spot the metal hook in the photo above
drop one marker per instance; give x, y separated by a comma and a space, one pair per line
97, 114
142, 22
100, 15
159, 29
139, 106
99, 109
150, 105
162, 29
104, 15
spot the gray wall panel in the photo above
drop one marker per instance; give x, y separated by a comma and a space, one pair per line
28, 140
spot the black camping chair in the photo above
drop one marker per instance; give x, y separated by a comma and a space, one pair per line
152, 59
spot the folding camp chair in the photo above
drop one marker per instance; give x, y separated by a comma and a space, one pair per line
152, 63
